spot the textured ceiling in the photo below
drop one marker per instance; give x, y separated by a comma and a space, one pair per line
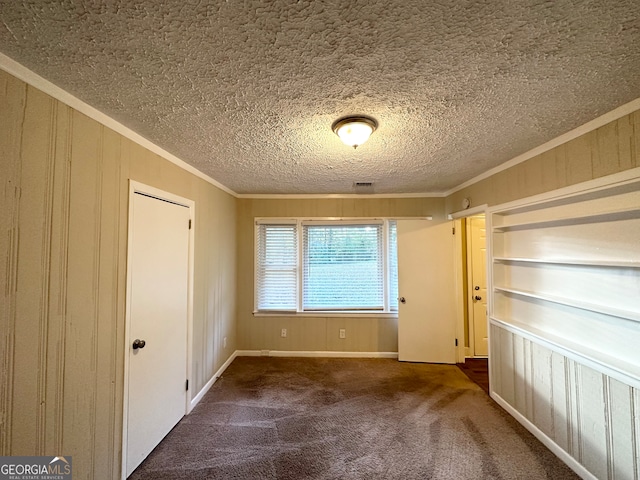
246, 91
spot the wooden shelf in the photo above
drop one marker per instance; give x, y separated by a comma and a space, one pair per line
590, 307
600, 217
576, 262
605, 206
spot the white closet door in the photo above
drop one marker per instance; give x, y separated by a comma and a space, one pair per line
159, 263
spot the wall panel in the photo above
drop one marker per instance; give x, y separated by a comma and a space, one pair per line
82, 289
592, 429
542, 394
12, 105
620, 413
32, 215
58, 220
560, 401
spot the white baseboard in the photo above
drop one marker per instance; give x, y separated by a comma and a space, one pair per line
329, 354
571, 462
213, 379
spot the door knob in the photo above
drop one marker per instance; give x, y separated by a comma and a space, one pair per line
402, 300
476, 287
137, 343
477, 298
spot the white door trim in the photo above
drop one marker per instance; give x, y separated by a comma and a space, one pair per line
470, 212
458, 245
137, 187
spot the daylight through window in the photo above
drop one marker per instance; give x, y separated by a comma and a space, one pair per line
326, 266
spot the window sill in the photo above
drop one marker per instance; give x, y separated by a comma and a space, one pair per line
360, 314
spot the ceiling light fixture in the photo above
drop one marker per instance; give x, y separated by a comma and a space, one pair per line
354, 131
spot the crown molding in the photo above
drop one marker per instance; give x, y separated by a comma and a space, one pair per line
23, 73
302, 196
594, 124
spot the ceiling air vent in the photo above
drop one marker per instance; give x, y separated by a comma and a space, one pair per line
363, 187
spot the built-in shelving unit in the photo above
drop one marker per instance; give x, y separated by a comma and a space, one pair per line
571, 267
564, 313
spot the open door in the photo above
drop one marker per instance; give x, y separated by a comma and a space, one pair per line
426, 307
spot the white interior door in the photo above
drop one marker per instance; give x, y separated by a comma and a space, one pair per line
426, 317
478, 283
158, 303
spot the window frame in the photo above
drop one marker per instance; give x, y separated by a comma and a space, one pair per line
300, 222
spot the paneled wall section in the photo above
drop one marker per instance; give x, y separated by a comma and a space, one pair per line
591, 416
63, 226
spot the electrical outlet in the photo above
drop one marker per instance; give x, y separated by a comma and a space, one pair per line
283, 333
343, 333
224, 342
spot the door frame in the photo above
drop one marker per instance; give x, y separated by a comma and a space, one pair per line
136, 187
457, 218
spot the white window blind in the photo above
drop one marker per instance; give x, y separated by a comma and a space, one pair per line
343, 267
393, 266
277, 267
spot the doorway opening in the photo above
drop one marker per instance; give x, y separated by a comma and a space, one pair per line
471, 287
475, 286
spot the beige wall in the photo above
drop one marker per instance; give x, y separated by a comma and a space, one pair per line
63, 243
367, 334
609, 149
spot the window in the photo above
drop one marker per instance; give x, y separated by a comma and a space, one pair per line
277, 267
342, 267
326, 266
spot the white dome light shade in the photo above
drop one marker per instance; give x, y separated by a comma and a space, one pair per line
354, 131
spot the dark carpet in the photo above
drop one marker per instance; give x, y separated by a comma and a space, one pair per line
477, 370
309, 418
